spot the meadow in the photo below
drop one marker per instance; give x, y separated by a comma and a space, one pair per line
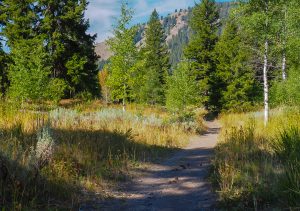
57, 157
258, 167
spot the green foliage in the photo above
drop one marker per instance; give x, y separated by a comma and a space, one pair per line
177, 44
29, 73
3, 71
287, 92
56, 89
156, 62
122, 63
182, 88
18, 20
200, 50
235, 76
69, 46
62, 29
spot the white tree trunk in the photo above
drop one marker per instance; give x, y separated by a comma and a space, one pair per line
284, 45
124, 98
284, 67
266, 85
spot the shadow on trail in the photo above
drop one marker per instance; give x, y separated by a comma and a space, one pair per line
79, 154
179, 183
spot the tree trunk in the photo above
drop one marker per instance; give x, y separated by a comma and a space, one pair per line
124, 98
284, 67
284, 45
266, 85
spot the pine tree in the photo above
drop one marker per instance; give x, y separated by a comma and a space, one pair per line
122, 69
3, 71
182, 88
200, 50
19, 20
156, 62
235, 75
70, 47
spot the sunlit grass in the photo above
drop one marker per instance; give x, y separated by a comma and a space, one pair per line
248, 168
92, 145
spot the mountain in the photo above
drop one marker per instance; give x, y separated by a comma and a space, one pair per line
177, 33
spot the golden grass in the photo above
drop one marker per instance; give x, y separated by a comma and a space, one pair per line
248, 170
95, 144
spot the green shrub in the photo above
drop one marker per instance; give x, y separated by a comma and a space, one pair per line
287, 92
56, 89
85, 96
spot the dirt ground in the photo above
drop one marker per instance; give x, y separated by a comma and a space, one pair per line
178, 183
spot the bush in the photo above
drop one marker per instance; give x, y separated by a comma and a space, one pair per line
56, 89
44, 150
85, 96
287, 92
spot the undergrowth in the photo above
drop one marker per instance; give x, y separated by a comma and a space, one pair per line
258, 167
48, 158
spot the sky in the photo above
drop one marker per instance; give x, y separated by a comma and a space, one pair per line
103, 13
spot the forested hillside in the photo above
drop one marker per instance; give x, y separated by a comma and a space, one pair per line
176, 30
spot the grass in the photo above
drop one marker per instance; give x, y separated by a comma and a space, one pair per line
258, 167
49, 156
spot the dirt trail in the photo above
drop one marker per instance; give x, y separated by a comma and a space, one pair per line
179, 183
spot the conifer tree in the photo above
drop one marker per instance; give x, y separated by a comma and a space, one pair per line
122, 69
70, 47
234, 73
156, 62
182, 88
3, 71
200, 50
19, 20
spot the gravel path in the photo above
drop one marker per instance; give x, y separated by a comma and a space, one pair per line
179, 183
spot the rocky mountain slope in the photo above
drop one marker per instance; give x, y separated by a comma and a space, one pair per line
177, 33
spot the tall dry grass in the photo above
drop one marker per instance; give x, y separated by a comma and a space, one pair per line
48, 158
257, 167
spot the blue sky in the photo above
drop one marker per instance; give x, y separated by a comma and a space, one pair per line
101, 13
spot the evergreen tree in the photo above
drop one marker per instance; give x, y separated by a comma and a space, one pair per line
19, 20
200, 50
3, 71
70, 48
122, 69
29, 72
156, 62
235, 76
182, 88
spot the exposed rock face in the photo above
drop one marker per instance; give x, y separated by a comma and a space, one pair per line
175, 24
102, 50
